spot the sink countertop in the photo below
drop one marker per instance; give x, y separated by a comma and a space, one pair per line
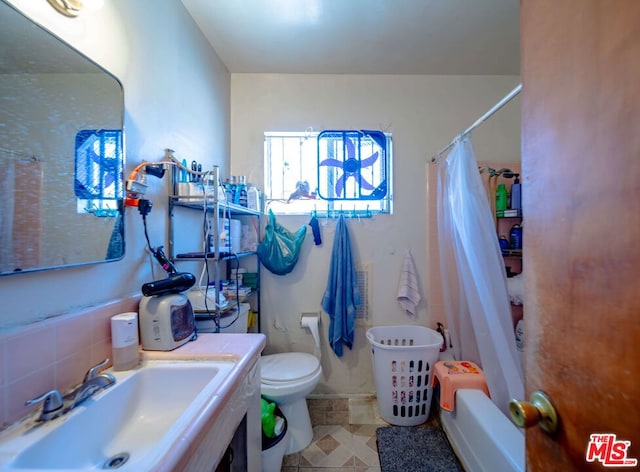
242, 349
214, 346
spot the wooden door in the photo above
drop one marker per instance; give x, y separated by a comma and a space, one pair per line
581, 197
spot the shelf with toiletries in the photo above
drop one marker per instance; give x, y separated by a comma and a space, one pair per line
197, 203
214, 236
505, 192
509, 230
225, 225
509, 219
196, 256
512, 252
500, 182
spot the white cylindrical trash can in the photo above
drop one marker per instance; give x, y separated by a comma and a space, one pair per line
273, 449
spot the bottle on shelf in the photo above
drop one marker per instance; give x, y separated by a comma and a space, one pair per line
504, 244
208, 185
515, 237
230, 189
240, 197
501, 199
516, 194
253, 198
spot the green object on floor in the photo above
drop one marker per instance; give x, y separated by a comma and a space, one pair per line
268, 419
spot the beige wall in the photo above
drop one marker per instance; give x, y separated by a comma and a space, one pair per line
423, 113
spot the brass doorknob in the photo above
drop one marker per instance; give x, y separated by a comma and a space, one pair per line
537, 411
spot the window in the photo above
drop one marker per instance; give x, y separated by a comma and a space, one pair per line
98, 171
328, 172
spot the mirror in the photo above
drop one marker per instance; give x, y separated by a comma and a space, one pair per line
61, 153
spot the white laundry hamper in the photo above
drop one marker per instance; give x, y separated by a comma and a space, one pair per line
403, 359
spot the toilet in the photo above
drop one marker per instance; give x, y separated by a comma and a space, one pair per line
286, 379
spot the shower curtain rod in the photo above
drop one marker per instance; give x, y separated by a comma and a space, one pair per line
481, 120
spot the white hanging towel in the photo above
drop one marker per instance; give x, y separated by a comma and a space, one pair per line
408, 288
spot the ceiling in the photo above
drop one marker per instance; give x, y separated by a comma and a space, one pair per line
442, 37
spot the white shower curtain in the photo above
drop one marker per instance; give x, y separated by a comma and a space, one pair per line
477, 306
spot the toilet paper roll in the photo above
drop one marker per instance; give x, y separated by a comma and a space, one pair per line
311, 321
279, 426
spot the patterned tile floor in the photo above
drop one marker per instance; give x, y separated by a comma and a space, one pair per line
337, 448
344, 437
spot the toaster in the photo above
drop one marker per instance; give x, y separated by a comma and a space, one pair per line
166, 321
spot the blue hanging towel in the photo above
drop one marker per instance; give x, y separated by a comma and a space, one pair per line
341, 297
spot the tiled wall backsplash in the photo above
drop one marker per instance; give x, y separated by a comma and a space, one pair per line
53, 354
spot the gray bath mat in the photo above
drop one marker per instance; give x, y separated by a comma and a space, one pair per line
415, 449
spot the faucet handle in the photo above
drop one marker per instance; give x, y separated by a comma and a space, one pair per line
91, 373
51, 401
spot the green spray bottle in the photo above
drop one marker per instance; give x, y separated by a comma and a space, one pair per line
501, 199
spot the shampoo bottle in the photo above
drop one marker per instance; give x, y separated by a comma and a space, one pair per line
501, 199
515, 237
230, 189
516, 195
241, 191
253, 198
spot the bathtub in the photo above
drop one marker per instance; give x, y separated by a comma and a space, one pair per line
484, 439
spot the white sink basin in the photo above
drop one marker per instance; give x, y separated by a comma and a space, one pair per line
130, 425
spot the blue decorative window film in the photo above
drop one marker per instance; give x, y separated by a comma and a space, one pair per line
99, 168
352, 165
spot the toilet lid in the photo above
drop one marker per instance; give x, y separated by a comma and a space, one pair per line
287, 366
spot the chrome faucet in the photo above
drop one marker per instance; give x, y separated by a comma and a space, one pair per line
54, 404
91, 386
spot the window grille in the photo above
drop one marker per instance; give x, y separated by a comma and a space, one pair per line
329, 172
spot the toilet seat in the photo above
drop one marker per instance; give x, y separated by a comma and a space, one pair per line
288, 367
